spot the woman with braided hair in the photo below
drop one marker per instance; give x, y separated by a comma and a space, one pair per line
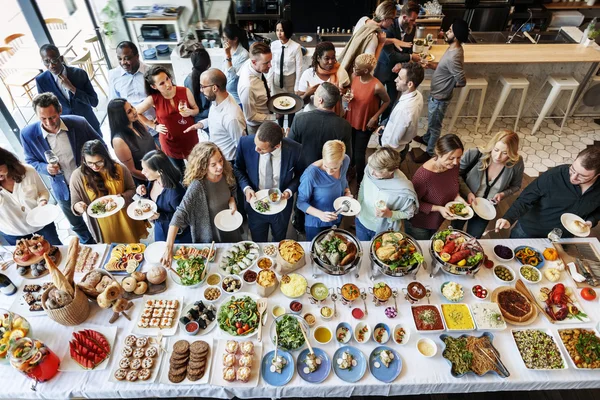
324, 68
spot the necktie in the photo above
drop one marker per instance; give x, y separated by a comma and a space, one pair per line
269, 172
262, 76
281, 67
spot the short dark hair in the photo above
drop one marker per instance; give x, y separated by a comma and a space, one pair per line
149, 78
332, 96
49, 46
320, 50
447, 144
414, 73
270, 132
287, 26
129, 45
410, 7
44, 100
590, 158
259, 48
159, 162
233, 32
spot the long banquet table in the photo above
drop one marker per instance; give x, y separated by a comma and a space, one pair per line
419, 374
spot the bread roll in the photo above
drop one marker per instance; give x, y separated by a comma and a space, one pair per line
72, 254
59, 280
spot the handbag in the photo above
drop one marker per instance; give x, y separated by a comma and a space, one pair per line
188, 46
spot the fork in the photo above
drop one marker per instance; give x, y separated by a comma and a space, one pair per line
496, 230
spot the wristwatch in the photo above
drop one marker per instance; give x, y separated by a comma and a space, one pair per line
228, 59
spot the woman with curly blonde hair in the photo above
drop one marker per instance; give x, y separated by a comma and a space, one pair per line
210, 189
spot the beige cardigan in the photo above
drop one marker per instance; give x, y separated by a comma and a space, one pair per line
78, 193
357, 45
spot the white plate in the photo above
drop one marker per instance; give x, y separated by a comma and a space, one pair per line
117, 199
576, 303
468, 208
42, 216
164, 375
484, 208
131, 209
238, 295
354, 206
155, 331
274, 208
154, 252
109, 332
568, 221
217, 376
227, 222
155, 368
548, 332
277, 102
209, 327
566, 352
19, 306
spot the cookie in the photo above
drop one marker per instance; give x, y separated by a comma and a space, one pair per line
127, 351
176, 378
178, 371
135, 364
130, 340
181, 347
141, 342
144, 374
120, 374
124, 363
197, 365
138, 353
147, 363
199, 346
132, 376
195, 372
151, 352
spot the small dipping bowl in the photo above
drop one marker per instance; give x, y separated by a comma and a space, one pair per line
191, 328
326, 313
295, 307
310, 319
342, 336
427, 347
357, 313
277, 311
250, 277
213, 279
381, 333
322, 334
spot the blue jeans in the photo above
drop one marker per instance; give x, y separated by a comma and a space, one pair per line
437, 110
419, 233
363, 234
475, 226
48, 232
517, 232
77, 223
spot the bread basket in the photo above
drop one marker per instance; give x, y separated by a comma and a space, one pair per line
74, 313
92, 293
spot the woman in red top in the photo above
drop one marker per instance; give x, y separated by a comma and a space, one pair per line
175, 108
436, 184
368, 100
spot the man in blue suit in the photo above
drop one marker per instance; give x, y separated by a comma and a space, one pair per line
70, 85
64, 136
264, 161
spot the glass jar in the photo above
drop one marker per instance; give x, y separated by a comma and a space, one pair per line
34, 359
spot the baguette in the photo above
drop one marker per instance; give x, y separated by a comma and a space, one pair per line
72, 254
58, 278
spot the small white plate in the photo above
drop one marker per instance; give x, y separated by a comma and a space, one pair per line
109, 332
468, 208
217, 373
154, 252
139, 331
140, 202
43, 215
354, 206
117, 199
568, 221
283, 99
273, 208
164, 374
155, 368
484, 208
227, 222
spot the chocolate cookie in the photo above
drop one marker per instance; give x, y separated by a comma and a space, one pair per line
199, 346
181, 347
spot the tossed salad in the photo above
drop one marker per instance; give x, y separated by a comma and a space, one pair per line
290, 335
191, 270
238, 316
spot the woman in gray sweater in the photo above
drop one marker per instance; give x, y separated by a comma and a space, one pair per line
493, 172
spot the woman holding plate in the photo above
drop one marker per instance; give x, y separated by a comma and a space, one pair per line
163, 188
211, 188
100, 176
492, 172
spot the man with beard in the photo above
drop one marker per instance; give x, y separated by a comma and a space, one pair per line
127, 81
397, 50
449, 73
563, 189
225, 120
403, 124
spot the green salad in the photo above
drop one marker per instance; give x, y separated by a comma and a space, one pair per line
262, 206
191, 270
238, 316
290, 335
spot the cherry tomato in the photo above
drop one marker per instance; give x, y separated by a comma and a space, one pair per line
246, 327
238, 324
240, 331
588, 294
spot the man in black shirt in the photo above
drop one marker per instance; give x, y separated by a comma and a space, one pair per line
571, 188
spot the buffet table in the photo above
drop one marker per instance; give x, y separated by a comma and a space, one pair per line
419, 374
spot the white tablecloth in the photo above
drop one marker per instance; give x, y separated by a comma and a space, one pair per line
419, 374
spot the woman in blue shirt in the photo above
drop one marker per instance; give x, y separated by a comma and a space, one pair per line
165, 189
235, 44
320, 184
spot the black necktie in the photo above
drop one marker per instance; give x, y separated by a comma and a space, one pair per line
281, 67
262, 76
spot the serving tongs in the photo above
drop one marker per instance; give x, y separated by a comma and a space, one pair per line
502, 370
520, 286
344, 208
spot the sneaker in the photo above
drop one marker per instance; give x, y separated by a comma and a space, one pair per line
419, 139
420, 159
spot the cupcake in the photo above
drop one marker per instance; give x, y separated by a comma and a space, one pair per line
229, 374
231, 346
228, 360
247, 347
243, 374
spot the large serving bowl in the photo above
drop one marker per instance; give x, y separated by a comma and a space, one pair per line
388, 268
454, 269
324, 263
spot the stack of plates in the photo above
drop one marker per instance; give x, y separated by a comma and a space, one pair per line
162, 49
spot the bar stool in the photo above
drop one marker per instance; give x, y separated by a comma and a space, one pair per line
509, 83
473, 83
559, 84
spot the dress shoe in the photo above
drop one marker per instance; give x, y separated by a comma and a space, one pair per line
419, 139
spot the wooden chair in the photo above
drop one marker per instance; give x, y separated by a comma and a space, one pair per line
98, 62
85, 62
55, 23
15, 40
24, 79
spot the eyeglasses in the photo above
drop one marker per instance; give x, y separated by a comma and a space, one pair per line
202, 87
97, 164
54, 61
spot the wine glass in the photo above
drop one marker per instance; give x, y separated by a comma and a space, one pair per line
347, 98
51, 158
182, 106
381, 202
555, 235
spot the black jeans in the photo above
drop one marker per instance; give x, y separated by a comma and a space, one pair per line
180, 164
360, 142
281, 120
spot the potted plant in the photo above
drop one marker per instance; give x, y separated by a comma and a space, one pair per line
109, 15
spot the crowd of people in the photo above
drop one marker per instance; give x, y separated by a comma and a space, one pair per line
372, 92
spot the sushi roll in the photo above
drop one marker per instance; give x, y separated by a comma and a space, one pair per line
229, 374
254, 251
242, 264
210, 316
243, 374
247, 348
184, 320
228, 360
202, 323
245, 361
231, 346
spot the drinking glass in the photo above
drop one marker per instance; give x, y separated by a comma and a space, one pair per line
555, 235
347, 98
51, 158
182, 107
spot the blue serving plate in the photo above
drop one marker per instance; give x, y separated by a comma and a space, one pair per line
150, 53
353, 374
542, 261
451, 301
321, 373
123, 272
454, 374
383, 374
273, 378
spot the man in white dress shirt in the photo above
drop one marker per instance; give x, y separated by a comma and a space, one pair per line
253, 88
403, 124
127, 80
225, 120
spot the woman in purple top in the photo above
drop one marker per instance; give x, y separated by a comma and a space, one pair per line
436, 183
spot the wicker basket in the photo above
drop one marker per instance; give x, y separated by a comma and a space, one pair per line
72, 314
93, 294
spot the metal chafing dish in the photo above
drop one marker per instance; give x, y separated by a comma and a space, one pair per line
379, 267
453, 269
324, 264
